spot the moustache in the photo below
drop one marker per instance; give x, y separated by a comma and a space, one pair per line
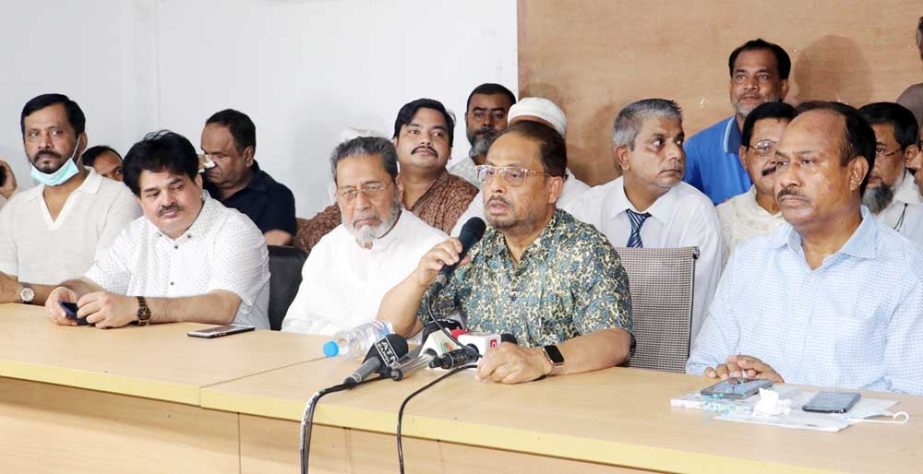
497, 199
788, 192
48, 153
171, 208
424, 147
364, 216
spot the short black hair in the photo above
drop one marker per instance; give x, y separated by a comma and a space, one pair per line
768, 110
906, 130
74, 115
159, 151
552, 149
239, 124
405, 116
90, 155
858, 136
783, 62
490, 88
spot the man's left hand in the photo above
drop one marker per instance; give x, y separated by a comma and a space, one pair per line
107, 310
510, 363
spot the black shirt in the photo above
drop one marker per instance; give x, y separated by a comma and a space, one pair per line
269, 204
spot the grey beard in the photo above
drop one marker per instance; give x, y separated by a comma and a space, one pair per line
878, 198
481, 144
366, 234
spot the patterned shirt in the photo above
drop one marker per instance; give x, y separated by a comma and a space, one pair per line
568, 282
440, 207
854, 322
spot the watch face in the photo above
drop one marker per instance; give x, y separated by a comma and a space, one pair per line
26, 295
555, 355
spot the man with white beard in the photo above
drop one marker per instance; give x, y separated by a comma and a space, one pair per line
375, 247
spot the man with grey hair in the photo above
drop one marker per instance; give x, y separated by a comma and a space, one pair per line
377, 244
649, 205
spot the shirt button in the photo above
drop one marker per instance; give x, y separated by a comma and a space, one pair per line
512, 297
176, 247
171, 283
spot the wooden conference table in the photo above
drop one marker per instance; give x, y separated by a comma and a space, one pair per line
80, 399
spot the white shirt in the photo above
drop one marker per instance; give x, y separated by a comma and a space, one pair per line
221, 250
683, 217
343, 283
906, 194
913, 224
39, 249
464, 168
573, 188
743, 218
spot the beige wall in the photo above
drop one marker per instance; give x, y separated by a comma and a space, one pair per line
593, 57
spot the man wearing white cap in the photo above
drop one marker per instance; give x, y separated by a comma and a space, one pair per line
544, 111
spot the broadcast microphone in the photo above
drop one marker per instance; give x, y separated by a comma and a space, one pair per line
470, 234
471, 352
414, 364
382, 357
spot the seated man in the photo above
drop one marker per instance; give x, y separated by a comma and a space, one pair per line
756, 211
105, 161
891, 189
188, 259
377, 245
834, 297
57, 229
423, 136
531, 109
913, 222
537, 273
649, 205
229, 141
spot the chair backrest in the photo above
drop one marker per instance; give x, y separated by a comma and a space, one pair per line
661, 285
285, 265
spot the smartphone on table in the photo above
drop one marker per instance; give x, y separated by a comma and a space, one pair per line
832, 402
736, 388
70, 309
219, 331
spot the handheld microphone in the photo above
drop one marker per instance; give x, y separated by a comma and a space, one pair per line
382, 357
470, 234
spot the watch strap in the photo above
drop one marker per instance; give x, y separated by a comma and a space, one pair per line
144, 312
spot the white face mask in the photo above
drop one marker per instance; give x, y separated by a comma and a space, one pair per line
62, 175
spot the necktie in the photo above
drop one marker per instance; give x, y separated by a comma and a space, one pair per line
637, 220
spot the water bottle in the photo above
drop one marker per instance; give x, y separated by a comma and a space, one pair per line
356, 342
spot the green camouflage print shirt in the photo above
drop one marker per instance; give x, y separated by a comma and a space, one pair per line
569, 282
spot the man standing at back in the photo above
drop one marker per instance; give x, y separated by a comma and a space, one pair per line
56, 230
236, 180
485, 117
759, 74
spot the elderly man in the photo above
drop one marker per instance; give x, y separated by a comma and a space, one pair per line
553, 282
649, 205
56, 230
423, 136
188, 259
485, 117
378, 244
759, 73
756, 212
834, 297
532, 109
229, 141
891, 189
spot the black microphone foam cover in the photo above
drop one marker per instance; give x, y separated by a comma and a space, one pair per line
506, 337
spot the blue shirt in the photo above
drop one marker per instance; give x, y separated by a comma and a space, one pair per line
854, 322
713, 164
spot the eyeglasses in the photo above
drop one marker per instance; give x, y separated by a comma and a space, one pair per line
370, 191
512, 175
884, 153
765, 147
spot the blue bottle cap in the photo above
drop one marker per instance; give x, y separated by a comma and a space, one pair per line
331, 349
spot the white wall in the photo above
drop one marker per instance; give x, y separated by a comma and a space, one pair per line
302, 70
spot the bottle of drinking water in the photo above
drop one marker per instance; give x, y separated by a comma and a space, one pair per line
356, 342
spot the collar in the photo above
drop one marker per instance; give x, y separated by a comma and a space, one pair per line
732, 137
906, 191
90, 185
661, 209
861, 244
495, 242
753, 207
257, 183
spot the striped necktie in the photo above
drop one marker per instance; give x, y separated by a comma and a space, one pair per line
637, 220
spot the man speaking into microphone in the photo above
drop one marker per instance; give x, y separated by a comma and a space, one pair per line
553, 282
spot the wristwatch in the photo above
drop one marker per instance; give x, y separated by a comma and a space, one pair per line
26, 293
144, 313
554, 356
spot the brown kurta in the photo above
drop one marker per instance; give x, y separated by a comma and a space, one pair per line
440, 206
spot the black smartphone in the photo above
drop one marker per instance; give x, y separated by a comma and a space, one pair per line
832, 402
219, 331
70, 309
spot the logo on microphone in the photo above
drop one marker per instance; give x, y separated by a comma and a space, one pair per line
388, 354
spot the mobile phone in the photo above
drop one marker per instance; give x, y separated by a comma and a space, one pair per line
2, 175
70, 309
832, 402
735, 388
219, 331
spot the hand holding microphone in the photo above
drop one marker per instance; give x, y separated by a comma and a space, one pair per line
439, 263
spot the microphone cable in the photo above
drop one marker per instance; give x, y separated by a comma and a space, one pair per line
307, 418
400, 412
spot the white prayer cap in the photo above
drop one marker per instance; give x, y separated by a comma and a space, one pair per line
355, 132
541, 108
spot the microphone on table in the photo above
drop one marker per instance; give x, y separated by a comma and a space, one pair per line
470, 234
475, 346
435, 343
382, 357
